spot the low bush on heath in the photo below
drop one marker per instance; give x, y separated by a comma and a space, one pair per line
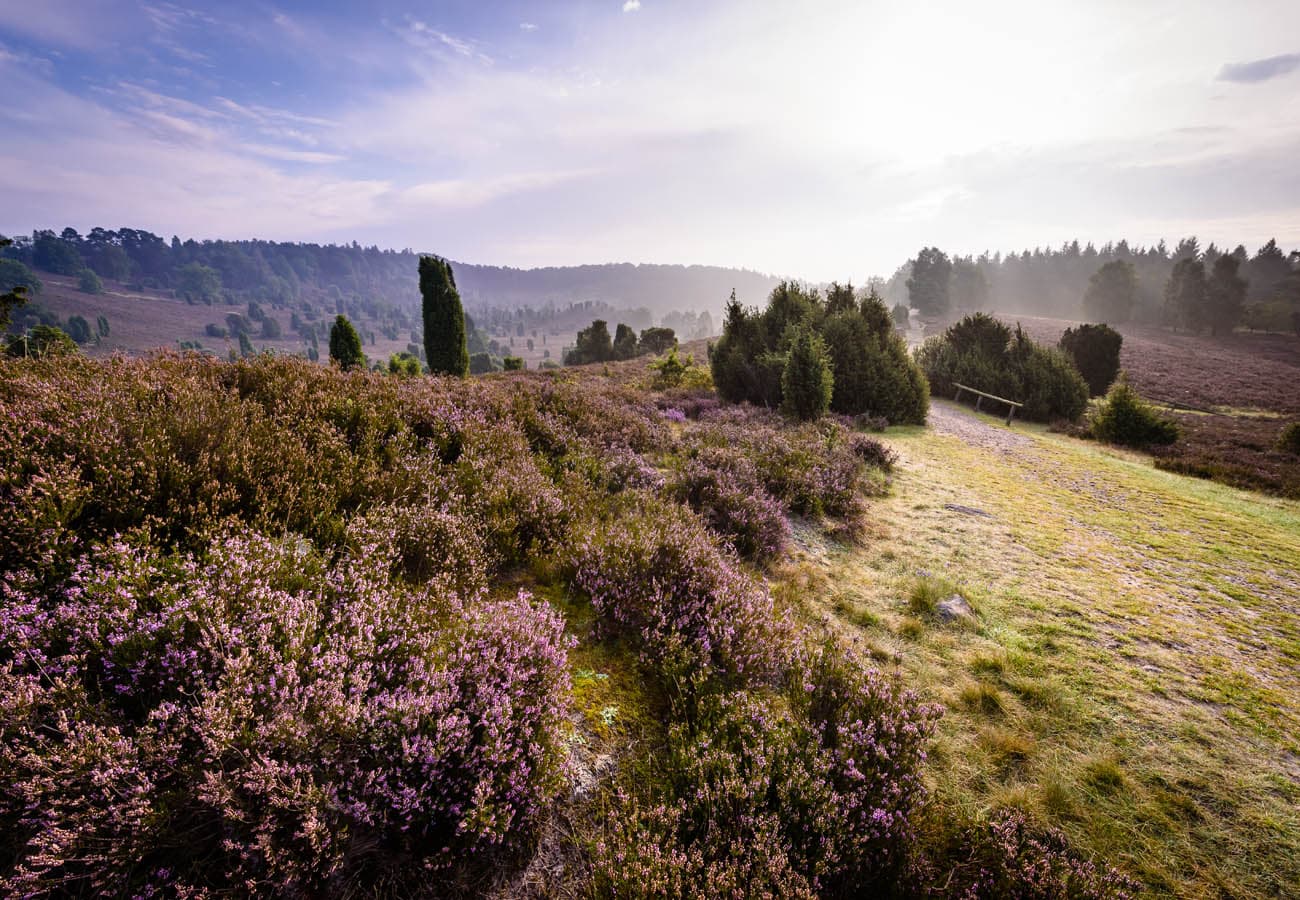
983, 353
1288, 441
656, 576
726, 490
1094, 349
1008, 857
1125, 418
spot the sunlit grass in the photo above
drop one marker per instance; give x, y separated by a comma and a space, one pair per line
1132, 674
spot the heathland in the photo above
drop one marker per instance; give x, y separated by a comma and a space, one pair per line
267, 626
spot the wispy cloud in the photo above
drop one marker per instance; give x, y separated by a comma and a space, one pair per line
464, 193
1260, 69
421, 34
653, 143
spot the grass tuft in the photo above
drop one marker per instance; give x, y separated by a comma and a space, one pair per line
983, 697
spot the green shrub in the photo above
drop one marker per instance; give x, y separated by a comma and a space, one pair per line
403, 364
480, 363
345, 344
42, 340
983, 353
1049, 385
1125, 418
88, 282
872, 371
806, 382
1289, 440
513, 364
79, 329
1095, 352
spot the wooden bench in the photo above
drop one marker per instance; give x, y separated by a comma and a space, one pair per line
1012, 405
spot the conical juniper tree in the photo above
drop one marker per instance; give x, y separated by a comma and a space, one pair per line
445, 348
345, 344
807, 382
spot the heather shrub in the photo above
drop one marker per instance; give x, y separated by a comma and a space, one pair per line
810, 468
656, 576
693, 402
726, 490
872, 452
1125, 418
523, 510
427, 544
1094, 350
810, 794
259, 718
1006, 857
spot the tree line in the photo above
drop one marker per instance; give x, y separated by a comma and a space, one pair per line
1190, 287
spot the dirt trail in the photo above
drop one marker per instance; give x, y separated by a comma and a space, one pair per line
951, 419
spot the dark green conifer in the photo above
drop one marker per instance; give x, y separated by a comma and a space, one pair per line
445, 348
345, 344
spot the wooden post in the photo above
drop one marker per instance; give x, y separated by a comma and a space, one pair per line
1011, 411
979, 401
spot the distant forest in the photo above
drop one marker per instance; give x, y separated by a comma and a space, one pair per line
380, 285
382, 282
1055, 282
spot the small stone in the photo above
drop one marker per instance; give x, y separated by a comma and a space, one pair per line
967, 510
953, 608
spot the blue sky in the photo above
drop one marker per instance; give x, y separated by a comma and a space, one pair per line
822, 139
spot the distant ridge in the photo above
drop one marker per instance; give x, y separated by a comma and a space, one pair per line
273, 270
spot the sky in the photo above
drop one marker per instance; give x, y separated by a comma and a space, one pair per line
817, 139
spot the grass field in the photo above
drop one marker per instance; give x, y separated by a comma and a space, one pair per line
1133, 670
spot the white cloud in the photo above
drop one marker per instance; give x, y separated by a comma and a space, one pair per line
631, 5
527, 26
679, 140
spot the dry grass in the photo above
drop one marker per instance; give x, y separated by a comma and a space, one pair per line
1134, 673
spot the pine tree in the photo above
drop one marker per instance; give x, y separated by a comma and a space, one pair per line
1112, 292
1225, 295
445, 348
1185, 300
345, 344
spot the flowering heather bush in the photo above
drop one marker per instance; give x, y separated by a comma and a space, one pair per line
656, 575
810, 795
692, 403
872, 452
258, 719
810, 468
1008, 858
726, 490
